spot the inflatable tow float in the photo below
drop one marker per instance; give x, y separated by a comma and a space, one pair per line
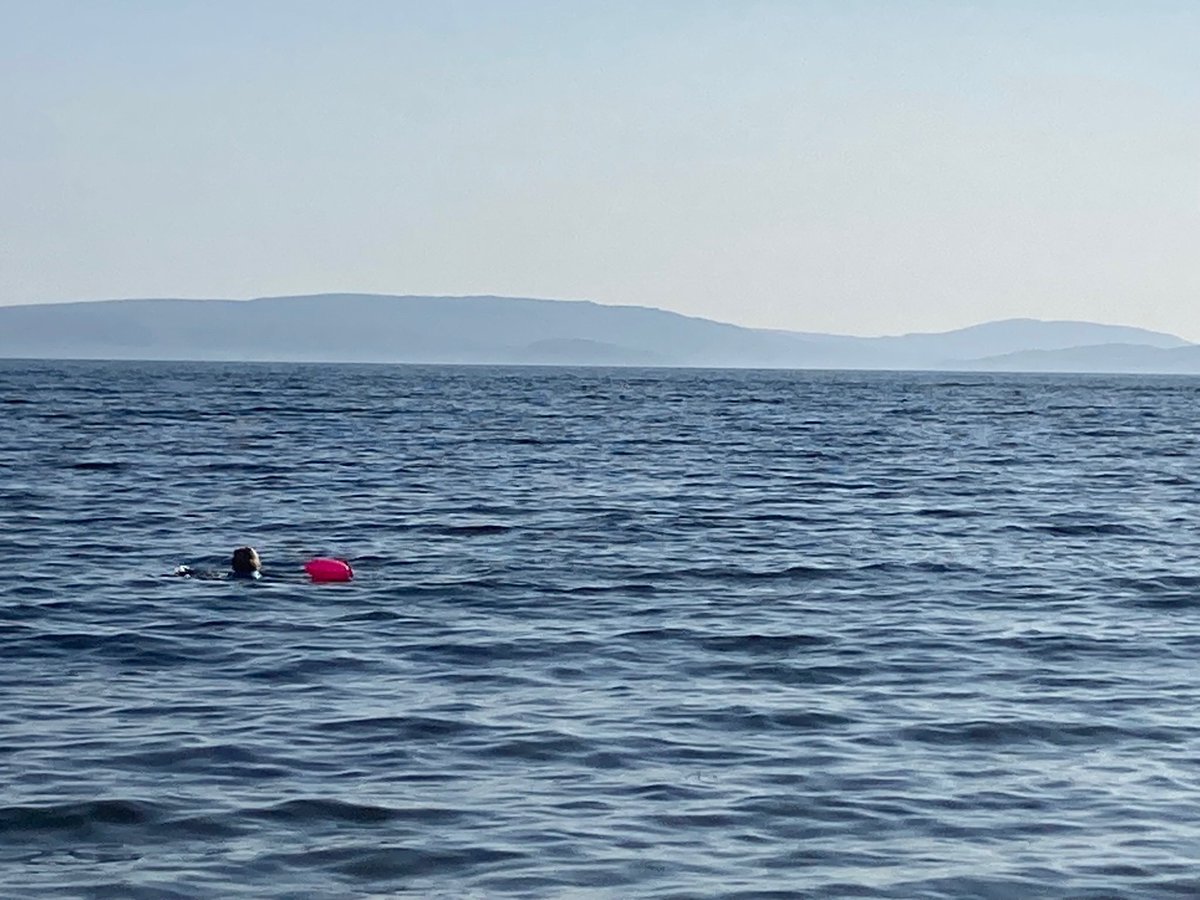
323, 569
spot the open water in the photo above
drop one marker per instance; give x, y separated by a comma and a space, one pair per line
614, 633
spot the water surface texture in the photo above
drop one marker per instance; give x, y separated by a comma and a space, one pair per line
614, 633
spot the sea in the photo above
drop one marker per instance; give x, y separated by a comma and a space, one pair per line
613, 633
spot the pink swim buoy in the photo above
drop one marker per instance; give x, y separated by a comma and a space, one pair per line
325, 569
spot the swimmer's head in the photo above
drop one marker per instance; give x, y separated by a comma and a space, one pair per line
245, 561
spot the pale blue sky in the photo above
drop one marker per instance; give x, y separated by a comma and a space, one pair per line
845, 166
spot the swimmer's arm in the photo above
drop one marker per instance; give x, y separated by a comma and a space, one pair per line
189, 572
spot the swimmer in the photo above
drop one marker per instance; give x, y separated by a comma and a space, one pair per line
245, 563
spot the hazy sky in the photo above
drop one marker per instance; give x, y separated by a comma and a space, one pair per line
832, 166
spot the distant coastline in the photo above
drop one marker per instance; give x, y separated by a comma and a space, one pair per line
523, 331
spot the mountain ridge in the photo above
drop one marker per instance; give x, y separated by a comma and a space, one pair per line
488, 329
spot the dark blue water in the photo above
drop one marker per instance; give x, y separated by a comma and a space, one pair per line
613, 633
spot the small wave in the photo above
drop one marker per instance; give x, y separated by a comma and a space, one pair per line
28, 501
99, 466
479, 530
935, 512
544, 746
757, 721
1167, 601
994, 732
401, 728
797, 572
779, 673
656, 634
667, 792
373, 615
1066, 646
371, 862
127, 647
763, 643
488, 653
1166, 591
316, 809
689, 822
231, 761
1084, 529
201, 827
631, 589
19, 820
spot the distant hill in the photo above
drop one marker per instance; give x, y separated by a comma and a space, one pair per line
505, 330
1099, 358
1019, 335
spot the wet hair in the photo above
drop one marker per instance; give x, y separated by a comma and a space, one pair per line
245, 561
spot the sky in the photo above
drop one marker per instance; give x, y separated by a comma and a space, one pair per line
854, 167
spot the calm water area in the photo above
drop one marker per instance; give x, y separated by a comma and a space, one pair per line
613, 633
